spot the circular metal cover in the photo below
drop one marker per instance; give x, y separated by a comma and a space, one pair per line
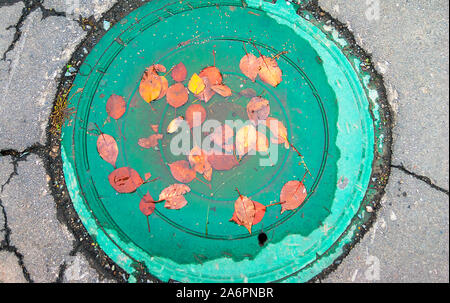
326, 101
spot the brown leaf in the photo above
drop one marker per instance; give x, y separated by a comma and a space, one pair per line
147, 205
245, 212
248, 92
125, 180
151, 141
179, 72
222, 162
182, 172
197, 110
293, 194
258, 109
116, 106
249, 66
213, 74
269, 71
150, 86
158, 68
177, 95
107, 148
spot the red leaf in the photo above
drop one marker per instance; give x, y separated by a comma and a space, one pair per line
151, 141
179, 72
116, 106
155, 127
199, 111
258, 109
182, 172
213, 74
269, 71
148, 176
147, 205
278, 130
260, 211
249, 66
293, 194
151, 85
177, 95
125, 180
107, 148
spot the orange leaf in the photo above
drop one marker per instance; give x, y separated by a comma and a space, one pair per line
222, 90
150, 86
151, 141
269, 71
179, 72
207, 93
245, 211
175, 124
177, 95
213, 74
173, 191
164, 87
107, 148
182, 172
293, 194
116, 106
260, 211
125, 180
177, 202
278, 130
249, 66
199, 112
199, 160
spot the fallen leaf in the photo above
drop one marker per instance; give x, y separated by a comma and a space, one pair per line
173, 191
222, 136
151, 141
249, 139
260, 211
148, 176
125, 180
208, 173
182, 172
164, 87
147, 205
258, 109
269, 71
248, 92
155, 127
221, 161
199, 160
158, 68
197, 111
293, 194
249, 66
222, 90
207, 93
150, 86
175, 124
177, 202
107, 148
245, 212
213, 74
174, 196
196, 84
179, 72
278, 130
116, 106
177, 95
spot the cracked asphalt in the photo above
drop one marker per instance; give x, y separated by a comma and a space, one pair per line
409, 45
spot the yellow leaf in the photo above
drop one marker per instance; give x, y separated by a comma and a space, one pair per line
196, 84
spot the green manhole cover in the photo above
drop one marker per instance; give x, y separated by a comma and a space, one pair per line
325, 100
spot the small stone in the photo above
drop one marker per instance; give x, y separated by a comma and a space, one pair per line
369, 209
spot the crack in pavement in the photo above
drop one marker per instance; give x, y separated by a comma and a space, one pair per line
425, 179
